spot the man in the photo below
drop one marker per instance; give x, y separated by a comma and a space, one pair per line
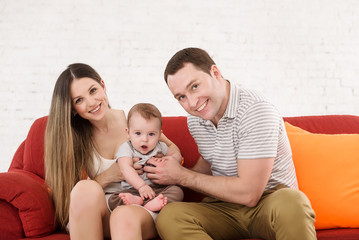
245, 167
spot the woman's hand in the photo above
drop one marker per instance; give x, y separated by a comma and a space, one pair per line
137, 167
114, 174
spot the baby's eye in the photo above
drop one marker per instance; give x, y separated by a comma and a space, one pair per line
137, 133
152, 134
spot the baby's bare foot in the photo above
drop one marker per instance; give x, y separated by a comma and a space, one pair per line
128, 199
156, 204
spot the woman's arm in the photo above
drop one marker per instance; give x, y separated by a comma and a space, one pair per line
173, 150
112, 174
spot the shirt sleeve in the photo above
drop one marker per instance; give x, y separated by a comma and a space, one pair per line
163, 147
258, 132
125, 150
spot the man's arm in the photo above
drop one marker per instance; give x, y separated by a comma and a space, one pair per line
246, 189
202, 166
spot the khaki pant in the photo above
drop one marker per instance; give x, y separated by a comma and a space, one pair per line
282, 214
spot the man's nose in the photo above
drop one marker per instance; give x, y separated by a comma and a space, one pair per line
192, 101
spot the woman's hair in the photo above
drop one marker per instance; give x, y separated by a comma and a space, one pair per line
198, 57
69, 148
146, 110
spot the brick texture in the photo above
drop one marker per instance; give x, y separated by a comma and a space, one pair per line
302, 54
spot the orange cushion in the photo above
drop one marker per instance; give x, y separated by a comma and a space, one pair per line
327, 168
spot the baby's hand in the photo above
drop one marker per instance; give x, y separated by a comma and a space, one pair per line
146, 192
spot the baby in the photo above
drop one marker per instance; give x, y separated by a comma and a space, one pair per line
144, 130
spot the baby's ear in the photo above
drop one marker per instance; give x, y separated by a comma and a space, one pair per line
128, 132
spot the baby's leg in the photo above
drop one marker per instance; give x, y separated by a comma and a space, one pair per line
156, 204
128, 199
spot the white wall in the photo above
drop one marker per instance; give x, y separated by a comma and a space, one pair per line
302, 54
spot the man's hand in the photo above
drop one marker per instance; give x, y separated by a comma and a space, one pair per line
165, 170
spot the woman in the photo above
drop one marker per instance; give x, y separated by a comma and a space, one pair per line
82, 136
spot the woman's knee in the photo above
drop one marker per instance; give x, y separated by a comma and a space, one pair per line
86, 195
132, 220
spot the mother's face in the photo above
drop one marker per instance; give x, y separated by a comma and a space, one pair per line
89, 98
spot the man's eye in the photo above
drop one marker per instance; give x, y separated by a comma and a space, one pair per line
195, 86
180, 98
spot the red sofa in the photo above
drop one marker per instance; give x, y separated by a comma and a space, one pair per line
26, 212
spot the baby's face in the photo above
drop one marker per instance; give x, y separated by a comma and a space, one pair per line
144, 133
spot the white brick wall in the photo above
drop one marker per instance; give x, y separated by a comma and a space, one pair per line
302, 54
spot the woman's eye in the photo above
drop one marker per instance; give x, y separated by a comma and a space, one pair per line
77, 101
92, 90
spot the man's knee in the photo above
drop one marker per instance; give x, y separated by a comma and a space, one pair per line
171, 217
293, 206
169, 213
293, 216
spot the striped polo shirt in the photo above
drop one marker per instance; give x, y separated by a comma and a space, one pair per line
250, 128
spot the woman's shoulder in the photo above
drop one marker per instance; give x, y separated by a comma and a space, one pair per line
119, 115
119, 111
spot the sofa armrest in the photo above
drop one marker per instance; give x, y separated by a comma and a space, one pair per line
28, 194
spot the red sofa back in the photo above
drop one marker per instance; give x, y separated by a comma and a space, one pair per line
29, 153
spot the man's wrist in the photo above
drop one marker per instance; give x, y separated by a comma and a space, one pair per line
183, 177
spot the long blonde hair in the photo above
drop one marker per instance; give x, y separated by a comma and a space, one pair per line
69, 148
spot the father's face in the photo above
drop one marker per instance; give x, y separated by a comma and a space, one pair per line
199, 93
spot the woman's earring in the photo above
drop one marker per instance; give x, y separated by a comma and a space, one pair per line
74, 113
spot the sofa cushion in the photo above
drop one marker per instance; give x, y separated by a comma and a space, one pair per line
327, 167
24, 191
34, 148
10, 223
175, 128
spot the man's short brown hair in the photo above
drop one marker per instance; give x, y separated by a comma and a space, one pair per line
198, 57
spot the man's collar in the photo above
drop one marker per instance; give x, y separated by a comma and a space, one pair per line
232, 102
